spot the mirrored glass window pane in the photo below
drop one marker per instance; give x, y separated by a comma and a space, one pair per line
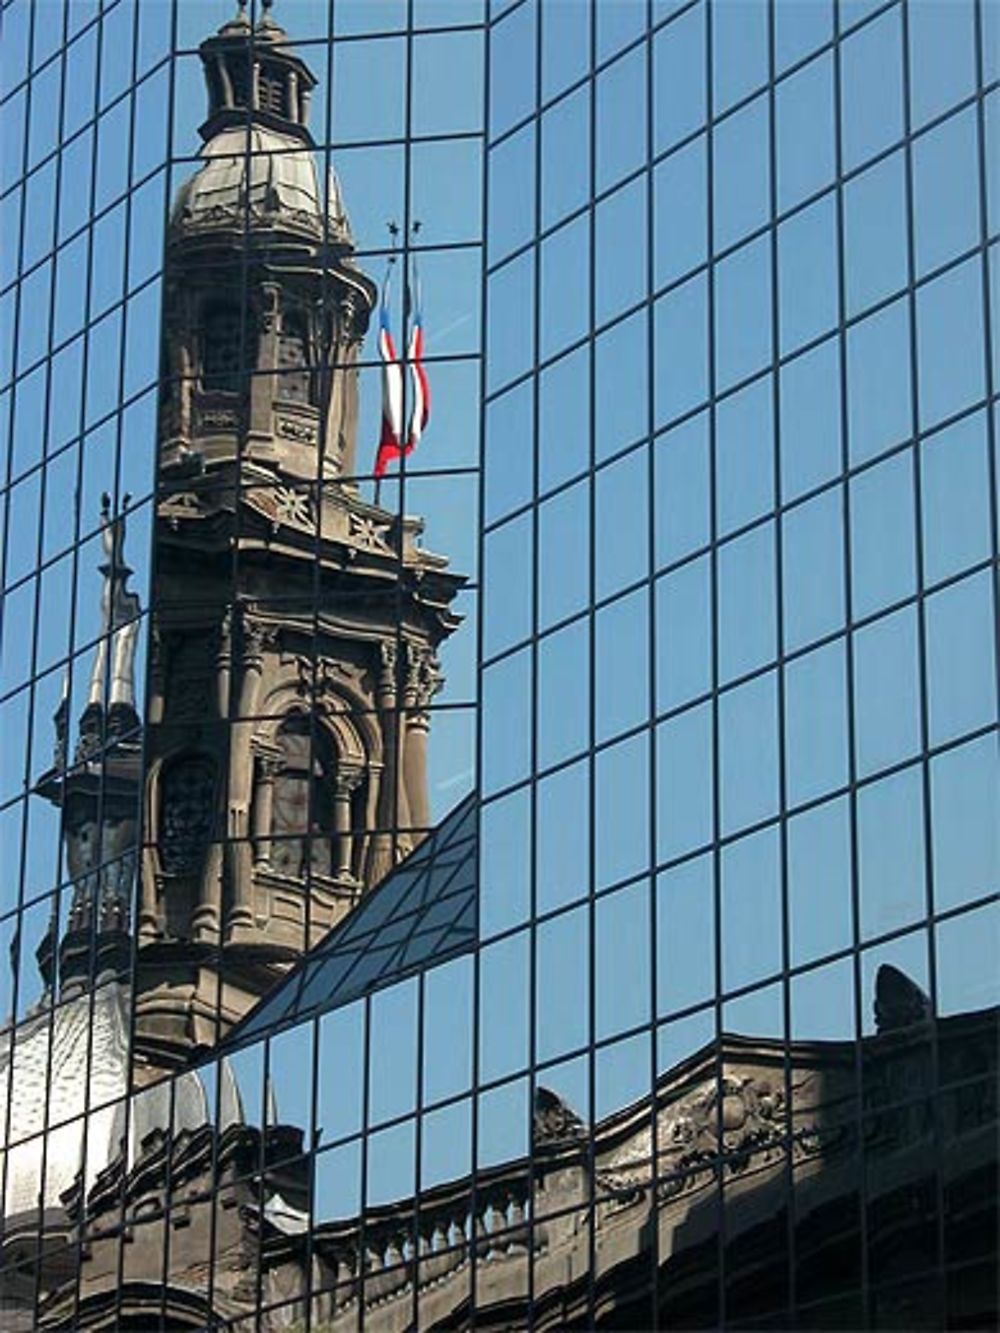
965, 802
886, 700
893, 890
961, 658
748, 734
751, 909
819, 881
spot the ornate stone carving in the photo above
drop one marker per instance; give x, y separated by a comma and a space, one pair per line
301, 431
346, 780
688, 1134
369, 533
388, 656
554, 1122
899, 1001
182, 504
219, 418
268, 317
256, 637
293, 507
423, 675
319, 677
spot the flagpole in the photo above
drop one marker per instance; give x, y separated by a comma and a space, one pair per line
405, 349
393, 229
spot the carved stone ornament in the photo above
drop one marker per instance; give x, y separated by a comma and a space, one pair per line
268, 317
301, 431
245, 213
346, 780
388, 655
219, 418
293, 507
183, 504
688, 1133
554, 1121
256, 637
320, 676
423, 675
369, 534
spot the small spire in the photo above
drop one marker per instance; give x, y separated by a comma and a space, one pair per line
61, 720
119, 616
268, 25
239, 22
230, 1100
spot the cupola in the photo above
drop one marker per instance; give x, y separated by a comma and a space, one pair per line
252, 73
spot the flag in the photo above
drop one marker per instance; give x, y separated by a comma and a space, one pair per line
421, 411
390, 442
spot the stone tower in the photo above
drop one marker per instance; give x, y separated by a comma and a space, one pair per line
294, 625
97, 786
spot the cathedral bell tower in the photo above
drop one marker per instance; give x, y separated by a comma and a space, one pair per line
294, 625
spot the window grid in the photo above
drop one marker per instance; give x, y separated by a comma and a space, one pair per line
637, 973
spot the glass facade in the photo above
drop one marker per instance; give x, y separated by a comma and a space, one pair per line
596, 924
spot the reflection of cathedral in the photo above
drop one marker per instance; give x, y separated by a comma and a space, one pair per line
853, 1135
264, 829
294, 625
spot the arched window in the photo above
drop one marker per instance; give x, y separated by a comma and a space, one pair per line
228, 345
187, 811
302, 809
293, 358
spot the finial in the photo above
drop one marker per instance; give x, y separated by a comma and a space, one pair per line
392, 226
239, 23
267, 25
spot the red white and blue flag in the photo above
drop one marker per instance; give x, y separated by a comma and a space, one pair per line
421, 410
391, 444
390, 441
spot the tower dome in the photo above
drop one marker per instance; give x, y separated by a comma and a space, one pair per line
261, 179
259, 171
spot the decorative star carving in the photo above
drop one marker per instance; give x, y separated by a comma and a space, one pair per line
292, 506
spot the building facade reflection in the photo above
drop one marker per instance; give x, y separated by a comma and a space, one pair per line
595, 928
295, 625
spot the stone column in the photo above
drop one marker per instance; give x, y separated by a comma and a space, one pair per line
423, 680
184, 368
206, 920
342, 404
415, 768
226, 83
240, 922
157, 675
393, 811
267, 767
263, 387
149, 921
345, 783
